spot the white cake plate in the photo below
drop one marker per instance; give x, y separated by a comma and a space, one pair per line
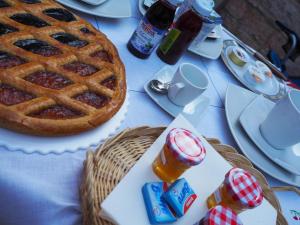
44, 145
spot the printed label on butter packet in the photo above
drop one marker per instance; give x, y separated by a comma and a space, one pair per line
180, 197
157, 209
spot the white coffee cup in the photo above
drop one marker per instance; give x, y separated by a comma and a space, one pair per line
188, 83
281, 128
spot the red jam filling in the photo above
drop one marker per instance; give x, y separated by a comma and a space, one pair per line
7, 60
38, 47
110, 82
48, 79
56, 112
80, 68
86, 31
3, 4
6, 29
12, 96
93, 99
102, 55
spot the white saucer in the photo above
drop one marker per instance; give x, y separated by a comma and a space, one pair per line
44, 145
251, 118
191, 112
94, 2
110, 9
237, 99
209, 48
271, 88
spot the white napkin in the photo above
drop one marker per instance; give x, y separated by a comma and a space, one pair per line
125, 205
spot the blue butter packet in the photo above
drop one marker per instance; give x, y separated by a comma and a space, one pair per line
180, 197
157, 209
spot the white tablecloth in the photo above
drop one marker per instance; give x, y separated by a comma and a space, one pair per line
44, 190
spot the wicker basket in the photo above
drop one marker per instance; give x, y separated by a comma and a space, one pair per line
105, 168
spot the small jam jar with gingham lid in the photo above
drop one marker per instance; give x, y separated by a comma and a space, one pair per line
239, 191
182, 150
220, 215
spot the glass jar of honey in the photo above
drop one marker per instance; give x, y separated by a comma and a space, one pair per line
182, 150
239, 191
220, 215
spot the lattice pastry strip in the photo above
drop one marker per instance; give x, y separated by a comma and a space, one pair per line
58, 75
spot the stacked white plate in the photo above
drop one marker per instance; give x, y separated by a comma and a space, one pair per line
245, 110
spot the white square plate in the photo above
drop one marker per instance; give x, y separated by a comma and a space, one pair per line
125, 205
237, 99
253, 115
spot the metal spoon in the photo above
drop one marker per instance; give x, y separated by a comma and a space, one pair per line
159, 87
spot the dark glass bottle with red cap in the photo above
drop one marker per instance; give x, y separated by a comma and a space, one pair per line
152, 28
184, 31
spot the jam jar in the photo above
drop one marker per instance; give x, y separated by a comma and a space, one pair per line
239, 191
220, 215
182, 150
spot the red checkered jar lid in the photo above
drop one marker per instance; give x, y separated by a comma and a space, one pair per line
243, 187
186, 146
221, 215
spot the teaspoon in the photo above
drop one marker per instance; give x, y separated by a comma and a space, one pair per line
159, 87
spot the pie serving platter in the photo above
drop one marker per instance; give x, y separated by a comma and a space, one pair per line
13, 141
237, 99
251, 118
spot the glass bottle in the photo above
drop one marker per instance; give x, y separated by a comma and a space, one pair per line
152, 28
184, 31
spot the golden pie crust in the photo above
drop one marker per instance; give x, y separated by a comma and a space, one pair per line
58, 74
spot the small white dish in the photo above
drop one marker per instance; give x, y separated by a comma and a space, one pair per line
251, 118
191, 111
209, 48
270, 88
44, 145
237, 99
109, 9
93, 2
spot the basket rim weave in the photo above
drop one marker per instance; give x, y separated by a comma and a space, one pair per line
98, 167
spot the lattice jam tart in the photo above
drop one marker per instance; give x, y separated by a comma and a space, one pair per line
58, 75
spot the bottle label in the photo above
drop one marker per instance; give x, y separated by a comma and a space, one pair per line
169, 40
146, 37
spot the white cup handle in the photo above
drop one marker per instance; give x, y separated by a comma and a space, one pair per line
174, 89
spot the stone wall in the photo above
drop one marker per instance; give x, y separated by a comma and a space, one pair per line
253, 21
